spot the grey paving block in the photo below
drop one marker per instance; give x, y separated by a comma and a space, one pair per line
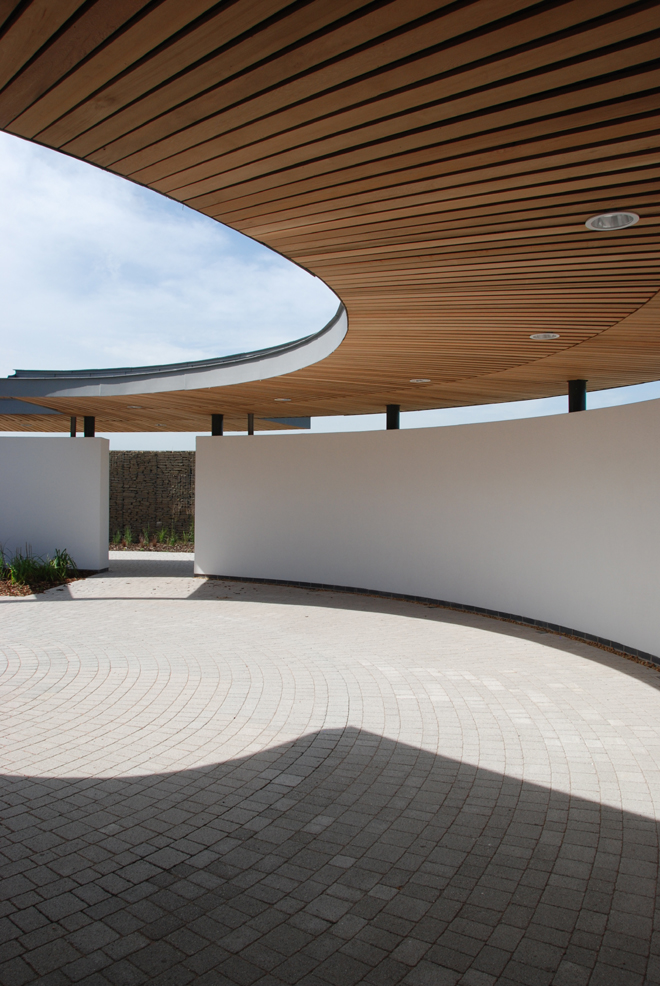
16, 972
52, 956
92, 937
82, 969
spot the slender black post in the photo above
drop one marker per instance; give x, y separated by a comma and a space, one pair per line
250, 424
89, 426
577, 395
392, 412
216, 424
74, 422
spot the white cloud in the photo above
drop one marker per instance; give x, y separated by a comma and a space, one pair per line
95, 271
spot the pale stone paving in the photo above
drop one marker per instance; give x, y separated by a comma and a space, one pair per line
219, 782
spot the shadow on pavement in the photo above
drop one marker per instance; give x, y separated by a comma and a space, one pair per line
340, 858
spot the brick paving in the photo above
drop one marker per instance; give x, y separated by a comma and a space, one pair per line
225, 783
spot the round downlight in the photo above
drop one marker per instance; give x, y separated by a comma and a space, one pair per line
609, 221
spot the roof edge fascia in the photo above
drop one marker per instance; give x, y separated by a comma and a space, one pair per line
225, 371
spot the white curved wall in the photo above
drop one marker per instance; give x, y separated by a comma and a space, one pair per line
552, 518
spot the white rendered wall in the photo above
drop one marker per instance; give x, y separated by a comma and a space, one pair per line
54, 494
552, 518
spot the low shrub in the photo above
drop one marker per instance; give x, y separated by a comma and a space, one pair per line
24, 568
163, 538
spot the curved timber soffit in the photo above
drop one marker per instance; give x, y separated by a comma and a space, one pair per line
434, 162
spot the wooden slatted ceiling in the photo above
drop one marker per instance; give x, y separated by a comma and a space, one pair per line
434, 162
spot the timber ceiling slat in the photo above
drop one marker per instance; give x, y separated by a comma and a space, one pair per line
416, 229
565, 185
466, 161
588, 163
375, 86
545, 152
158, 100
209, 148
121, 51
638, 183
434, 162
360, 118
91, 29
24, 36
7, 8
494, 130
574, 187
294, 102
72, 114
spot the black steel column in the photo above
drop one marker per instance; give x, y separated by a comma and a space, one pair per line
74, 422
392, 412
577, 395
216, 424
89, 426
250, 424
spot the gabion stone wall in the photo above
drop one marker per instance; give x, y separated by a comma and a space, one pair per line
150, 490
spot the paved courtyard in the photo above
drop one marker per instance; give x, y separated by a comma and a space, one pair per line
224, 783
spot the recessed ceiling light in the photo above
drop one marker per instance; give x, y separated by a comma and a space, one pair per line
282, 398
543, 336
420, 380
134, 407
612, 221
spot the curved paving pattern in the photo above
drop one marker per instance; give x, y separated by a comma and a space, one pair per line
218, 782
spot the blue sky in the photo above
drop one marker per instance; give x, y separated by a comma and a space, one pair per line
95, 271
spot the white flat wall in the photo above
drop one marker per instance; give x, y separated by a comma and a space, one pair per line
552, 518
54, 494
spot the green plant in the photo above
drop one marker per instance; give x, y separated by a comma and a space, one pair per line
162, 535
128, 535
63, 563
24, 568
116, 537
190, 536
173, 538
